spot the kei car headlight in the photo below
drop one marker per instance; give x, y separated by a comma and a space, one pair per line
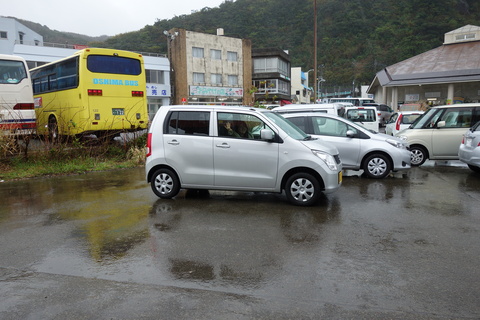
397, 144
327, 158
404, 138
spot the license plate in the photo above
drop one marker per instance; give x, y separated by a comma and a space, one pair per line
118, 111
340, 177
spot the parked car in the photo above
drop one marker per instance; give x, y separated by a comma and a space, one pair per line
469, 151
366, 116
238, 149
401, 120
376, 153
437, 134
333, 108
383, 112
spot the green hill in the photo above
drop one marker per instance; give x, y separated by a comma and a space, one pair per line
356, 38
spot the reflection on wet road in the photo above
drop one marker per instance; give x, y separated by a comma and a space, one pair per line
406, 245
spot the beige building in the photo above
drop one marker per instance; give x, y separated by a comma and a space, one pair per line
210, 69
445, 75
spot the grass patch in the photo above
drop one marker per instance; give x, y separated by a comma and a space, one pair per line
48, 160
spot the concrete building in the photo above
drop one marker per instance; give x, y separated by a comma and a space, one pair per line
300, 91
210, 69
17, 39
271, 76
445, 75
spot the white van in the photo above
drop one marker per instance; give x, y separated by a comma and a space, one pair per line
239, 149
366, 116
355, 101
332, 108
438, 133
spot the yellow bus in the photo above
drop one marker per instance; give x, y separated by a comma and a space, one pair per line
94, 91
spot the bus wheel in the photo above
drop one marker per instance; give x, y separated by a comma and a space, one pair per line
52, 129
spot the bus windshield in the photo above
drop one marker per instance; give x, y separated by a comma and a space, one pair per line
17, 114
114, 65
12, 72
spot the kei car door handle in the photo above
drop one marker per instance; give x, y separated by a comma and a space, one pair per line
223, 145
173, 142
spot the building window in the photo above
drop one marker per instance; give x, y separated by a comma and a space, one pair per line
197, 52
155, 76
272, 86
233, 80
232, 56
216, 78
20, 37
215, 54
198, 77
37, 43
3, 34
261, 65
461, 37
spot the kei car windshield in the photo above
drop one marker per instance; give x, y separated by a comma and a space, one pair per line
287, 126
423, 119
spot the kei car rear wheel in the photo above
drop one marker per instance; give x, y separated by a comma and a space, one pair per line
165, 183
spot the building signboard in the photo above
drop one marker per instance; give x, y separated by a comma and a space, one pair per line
216, 91
412, 97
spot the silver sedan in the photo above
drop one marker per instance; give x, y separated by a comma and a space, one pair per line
359, 148
469, 150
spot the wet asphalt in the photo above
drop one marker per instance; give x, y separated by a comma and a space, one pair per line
102, 246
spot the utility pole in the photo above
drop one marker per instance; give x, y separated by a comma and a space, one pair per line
315, 67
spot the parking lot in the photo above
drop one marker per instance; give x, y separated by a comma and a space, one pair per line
101, 245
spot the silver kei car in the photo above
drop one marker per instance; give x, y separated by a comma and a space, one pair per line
359, 148
469, 150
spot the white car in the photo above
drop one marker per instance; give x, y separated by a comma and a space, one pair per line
333, 108
366, 116
469, 151
401, 120
375, 153
237, 149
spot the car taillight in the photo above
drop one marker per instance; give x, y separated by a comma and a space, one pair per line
463, 140
23, 106
95, 92
149, 145
137, 93
397, 124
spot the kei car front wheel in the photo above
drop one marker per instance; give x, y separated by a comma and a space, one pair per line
377, 166
418, 155
302, 189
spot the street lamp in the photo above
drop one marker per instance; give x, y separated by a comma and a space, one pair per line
319, 86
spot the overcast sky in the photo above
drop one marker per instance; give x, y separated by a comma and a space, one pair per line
100, 17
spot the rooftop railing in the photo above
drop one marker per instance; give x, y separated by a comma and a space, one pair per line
78, 47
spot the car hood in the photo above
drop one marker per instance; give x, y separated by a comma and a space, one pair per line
382, 136
321, 145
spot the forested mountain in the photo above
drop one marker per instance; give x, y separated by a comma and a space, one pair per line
356, 38
55, 36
